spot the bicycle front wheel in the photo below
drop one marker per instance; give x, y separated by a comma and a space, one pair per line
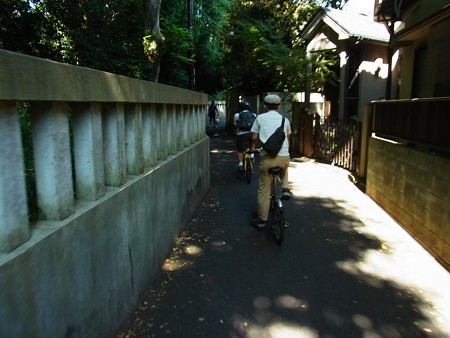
248, 170
277, 222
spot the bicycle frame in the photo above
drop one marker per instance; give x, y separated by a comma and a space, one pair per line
276, 216
248, 164
273, 193
247, 161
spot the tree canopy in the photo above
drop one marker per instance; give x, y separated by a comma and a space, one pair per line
252, 46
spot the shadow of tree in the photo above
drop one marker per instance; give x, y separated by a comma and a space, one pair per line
226, 279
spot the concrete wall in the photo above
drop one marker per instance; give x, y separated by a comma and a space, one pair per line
414, 188
120, 166
82, 276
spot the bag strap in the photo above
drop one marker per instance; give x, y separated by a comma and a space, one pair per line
282, 123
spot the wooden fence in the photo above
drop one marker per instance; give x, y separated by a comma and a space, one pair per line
336, 142
419, 122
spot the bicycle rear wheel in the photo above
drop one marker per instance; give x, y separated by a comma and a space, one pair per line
248, 170
277, 222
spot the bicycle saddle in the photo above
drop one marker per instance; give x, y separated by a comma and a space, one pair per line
275, 171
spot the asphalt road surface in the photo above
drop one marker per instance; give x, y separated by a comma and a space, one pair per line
345, 268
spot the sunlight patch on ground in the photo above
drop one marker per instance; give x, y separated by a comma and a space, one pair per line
175, 265
362, 321
399, 259
274, 330
218, 243
280, 330
283, 302
262, 303
221, 246
221, 151
263, 325
378, 266
193, 250
290, 302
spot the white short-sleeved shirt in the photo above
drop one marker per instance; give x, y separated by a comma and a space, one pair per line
266, 124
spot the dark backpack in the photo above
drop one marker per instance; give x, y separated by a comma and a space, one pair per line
273, 144
246, 119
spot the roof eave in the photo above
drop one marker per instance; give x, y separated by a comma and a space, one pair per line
322, 16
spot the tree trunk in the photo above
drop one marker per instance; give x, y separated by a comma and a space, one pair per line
153, 34
152, 8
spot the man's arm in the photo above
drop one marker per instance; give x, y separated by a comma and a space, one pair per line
255, 136
235, 127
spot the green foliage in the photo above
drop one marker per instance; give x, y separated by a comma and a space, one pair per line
312, 72
175, 55
200, 46
333, 3
105, 35
251, 45
264, 51
209, 21
262, 36
17, 26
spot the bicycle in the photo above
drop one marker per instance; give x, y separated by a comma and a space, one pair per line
248, 164
276, 222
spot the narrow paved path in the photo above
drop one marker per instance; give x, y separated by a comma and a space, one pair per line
345, 268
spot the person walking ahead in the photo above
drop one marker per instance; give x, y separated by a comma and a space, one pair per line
213, 113
264, 126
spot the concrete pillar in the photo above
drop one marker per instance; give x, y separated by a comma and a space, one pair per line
195, 122
193, 125
180, 127
164, 134
14, 230
158, 131
171, 117
113, 122
133, 136
52, 160
199, 122
185, 126
88, 151
149, 149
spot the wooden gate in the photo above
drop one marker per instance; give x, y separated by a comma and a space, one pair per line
335, 142
338, 142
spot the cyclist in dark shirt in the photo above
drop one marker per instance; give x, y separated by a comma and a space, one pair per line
244, 139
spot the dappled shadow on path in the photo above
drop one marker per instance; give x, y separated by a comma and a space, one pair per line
226, 279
